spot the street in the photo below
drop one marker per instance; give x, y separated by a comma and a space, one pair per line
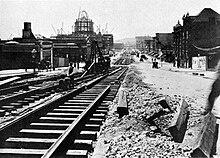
179, 85
175, 83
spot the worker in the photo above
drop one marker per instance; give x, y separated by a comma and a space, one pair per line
70, 74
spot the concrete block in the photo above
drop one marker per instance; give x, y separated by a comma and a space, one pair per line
178, 125
122, 107
165, 103
206, 138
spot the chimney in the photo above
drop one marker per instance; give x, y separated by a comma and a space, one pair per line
27, 33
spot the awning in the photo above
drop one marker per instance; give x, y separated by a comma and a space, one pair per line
207, 49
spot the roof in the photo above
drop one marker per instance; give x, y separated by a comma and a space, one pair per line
205, 14
178, 24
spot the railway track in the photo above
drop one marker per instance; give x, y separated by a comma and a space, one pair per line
22, 95
124, 60
19, 96
65, 127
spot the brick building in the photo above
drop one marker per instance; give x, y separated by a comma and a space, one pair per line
142, 43
196, 41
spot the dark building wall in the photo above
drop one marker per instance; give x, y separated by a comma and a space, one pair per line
165, 39
19, 56
206, 34
164, 43
107, 41
201, 31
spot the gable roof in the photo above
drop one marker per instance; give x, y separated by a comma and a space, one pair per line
205, 14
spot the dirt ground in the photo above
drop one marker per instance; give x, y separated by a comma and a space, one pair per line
133, 136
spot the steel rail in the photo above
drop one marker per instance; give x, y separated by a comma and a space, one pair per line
122, 73
27, 117
16, 125
64, 138
16, 97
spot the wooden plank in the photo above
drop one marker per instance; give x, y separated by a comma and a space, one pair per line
7, 107
51, 124
17, 105
76, 103
102, 111
91, 135
178, 125
10, 80
99, 115
103, 108
23, 102
31, 100
87, 94
42, 131
62, 114
77, 153
94, 127
88, 97
70, 110
58, 118
83, 144
206, 137
96, 120
22, 151
122, 107
36, 97
80, 101
31, 140
73, 107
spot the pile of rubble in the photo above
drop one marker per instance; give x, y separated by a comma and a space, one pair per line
136, 135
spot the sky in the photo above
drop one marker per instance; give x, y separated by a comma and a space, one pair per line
122, 18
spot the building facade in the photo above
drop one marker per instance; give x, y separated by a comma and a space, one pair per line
164, 46
20, 52
196, 41
143, 44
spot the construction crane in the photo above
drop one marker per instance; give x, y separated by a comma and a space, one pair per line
54, 30
106, 31
96, 61
111, 30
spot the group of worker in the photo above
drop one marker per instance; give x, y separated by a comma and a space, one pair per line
69, 79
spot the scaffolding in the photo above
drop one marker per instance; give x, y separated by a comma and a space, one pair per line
84, 25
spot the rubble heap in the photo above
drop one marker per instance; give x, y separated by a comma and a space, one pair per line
134, 135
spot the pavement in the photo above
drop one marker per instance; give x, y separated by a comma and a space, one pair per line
169, 67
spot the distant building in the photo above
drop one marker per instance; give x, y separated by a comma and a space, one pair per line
30, 50
107, 41
142, 43
83, 25
76, 47
197, 41
118, 46
20, 52
164, 46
